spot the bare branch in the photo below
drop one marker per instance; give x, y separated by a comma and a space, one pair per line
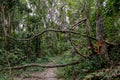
74, 47
39, 34
53, 30
78, 23
61, 31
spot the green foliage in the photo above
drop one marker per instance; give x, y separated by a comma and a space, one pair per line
4, 76
14, 57
112, 7
30, 17
85, 70
2, 57
66, 72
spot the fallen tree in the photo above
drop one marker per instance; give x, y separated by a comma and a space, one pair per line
42, 65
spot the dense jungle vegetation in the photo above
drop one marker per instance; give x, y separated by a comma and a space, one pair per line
78, 38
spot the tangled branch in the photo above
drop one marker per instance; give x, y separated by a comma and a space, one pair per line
47, 30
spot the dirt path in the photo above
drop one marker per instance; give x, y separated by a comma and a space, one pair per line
47, 74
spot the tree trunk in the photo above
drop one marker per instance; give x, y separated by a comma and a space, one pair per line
37, 48
9, 23
4, 30
1, 32
99, 22
100, 36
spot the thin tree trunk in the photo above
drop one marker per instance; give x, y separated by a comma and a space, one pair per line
90, 45
1, 33
5, 39
85, 14
9, 23
3, 27
37, 48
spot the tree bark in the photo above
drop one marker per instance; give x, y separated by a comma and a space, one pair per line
9, 23
3, 27
100, 36
99, 22
38, 48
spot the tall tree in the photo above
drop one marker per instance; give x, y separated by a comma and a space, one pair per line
100, 35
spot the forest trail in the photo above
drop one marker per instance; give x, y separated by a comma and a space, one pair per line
47, 74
